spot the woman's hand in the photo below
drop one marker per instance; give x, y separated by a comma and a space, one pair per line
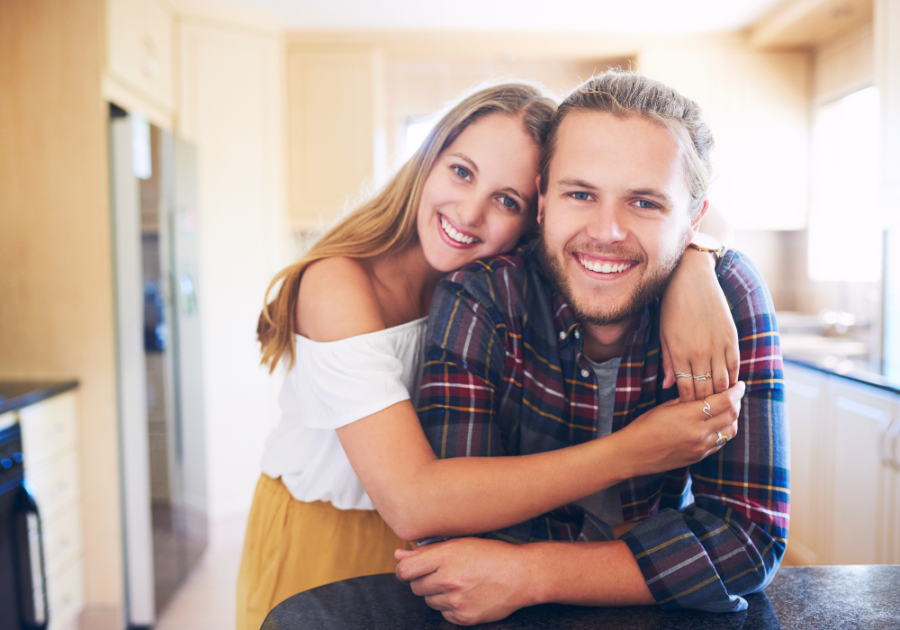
677, 434
697, 331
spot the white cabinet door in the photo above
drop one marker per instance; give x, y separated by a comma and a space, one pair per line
806, 393
862, 416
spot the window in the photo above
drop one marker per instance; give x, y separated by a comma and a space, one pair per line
845, 229
416, 132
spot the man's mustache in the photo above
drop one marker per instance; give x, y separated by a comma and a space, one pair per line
622, 253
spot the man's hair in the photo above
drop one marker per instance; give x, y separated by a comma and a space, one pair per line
625, 94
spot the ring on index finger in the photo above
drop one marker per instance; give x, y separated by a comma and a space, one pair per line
707, 409
683, 375
703, 377
722, 439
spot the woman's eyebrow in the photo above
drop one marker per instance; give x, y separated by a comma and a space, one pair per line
467, 159
513, 191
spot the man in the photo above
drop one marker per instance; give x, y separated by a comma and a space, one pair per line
526, 350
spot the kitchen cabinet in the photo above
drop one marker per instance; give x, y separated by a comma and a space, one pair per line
845, 493
335, 129
49, 430
140, 44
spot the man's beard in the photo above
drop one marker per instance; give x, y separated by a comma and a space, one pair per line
650, 285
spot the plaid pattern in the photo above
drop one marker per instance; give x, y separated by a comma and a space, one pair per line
504, 375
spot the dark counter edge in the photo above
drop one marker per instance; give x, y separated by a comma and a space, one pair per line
42, 391
864, 378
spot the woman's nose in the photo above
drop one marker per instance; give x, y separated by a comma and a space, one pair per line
471, 211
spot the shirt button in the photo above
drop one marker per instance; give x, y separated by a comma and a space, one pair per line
562, 334
585, 373
577, 334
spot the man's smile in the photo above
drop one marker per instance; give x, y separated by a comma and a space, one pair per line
603, 265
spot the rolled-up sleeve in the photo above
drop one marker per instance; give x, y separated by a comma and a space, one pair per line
731, 540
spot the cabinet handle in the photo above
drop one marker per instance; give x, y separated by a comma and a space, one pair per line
893, 432
884, 451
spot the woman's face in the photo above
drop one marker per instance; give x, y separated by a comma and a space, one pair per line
478, 197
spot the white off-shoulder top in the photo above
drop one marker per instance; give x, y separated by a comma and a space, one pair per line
331, 385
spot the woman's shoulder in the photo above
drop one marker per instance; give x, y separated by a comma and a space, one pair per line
337, 300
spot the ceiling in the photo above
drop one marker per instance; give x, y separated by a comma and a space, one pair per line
610, 16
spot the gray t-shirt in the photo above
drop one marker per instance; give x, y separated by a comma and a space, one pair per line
605, 504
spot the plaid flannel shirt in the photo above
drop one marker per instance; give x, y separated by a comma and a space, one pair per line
505, 374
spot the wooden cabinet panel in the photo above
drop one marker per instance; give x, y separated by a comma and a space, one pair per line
140, 36
48, 428
806, 393
332, 109
861, 419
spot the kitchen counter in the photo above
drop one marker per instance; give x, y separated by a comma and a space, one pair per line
799, 598
847, 369
17, 394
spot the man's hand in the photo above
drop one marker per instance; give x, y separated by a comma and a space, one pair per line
470, 580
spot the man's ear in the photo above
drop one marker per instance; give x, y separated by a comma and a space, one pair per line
695, 222
540, 200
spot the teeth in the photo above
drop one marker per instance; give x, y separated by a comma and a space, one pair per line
452, 233
603, 267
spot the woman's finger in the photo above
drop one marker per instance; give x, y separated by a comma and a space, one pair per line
685, 382
728, 402
733, 363
438, 602
668, 370
720, 375
703, 385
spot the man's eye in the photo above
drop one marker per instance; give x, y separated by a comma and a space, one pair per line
462, 171
581, 196
509, 202
646, 205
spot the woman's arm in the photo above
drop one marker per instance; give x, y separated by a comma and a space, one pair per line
697, 330
419, 495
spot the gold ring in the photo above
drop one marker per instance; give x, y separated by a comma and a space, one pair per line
722, 439
703, 377
683, 375
706, 409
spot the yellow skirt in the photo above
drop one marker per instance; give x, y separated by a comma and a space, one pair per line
293, 546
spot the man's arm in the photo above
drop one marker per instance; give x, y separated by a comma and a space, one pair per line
731, 541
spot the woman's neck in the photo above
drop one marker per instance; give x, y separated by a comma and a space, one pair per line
408, 282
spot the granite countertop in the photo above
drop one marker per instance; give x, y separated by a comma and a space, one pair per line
17, 394
799, 598
847, 369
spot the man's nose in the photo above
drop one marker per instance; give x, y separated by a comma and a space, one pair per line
608, 225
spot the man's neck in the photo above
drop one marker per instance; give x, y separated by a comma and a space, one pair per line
602, 343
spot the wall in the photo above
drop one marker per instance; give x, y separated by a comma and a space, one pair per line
231, 90
56, 311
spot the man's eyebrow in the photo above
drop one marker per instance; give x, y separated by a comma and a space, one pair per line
465, 158
575, 183
651, 192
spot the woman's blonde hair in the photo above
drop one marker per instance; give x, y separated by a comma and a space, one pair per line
387, 223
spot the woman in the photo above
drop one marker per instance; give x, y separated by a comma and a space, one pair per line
349, 320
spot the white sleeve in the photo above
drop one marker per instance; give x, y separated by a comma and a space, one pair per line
340, 382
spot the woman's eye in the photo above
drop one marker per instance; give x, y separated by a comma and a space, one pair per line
509, 202
462, 171
581, 196
646, 205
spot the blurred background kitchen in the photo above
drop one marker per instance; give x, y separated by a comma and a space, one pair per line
160, 160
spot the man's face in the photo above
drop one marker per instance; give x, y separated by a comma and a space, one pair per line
615, 215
